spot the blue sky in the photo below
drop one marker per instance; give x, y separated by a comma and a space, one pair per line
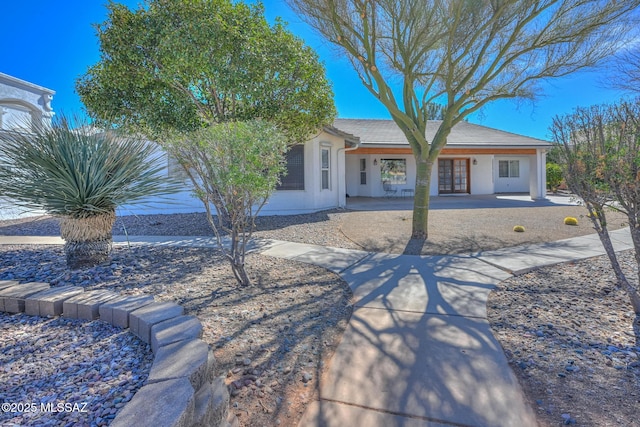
51, 43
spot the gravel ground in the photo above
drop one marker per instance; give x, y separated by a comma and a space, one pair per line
57, 372
321, 228
271, 340
567, 330
451, 231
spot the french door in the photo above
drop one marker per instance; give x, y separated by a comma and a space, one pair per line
453, 176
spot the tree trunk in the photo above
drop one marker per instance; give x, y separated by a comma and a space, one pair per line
88, 241
236, 257
605, 239
421, 199
634, 228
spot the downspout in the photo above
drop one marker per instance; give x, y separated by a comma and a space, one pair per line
342, 177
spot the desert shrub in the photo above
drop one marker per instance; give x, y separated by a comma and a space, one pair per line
518, 229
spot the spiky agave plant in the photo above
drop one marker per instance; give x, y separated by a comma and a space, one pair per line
80, 176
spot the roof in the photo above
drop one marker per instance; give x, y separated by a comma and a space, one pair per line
386, 132
350, 139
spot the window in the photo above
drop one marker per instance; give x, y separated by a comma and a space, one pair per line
324, 167
509, 168
394, 171
363, 171
294, 178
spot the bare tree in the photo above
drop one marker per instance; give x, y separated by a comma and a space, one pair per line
626, 72
601, 159
462, 54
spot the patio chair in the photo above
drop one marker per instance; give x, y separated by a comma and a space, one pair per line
389, 191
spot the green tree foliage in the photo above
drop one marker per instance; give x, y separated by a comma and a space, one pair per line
181, 65
176, 70
601, 160
554, 176
234, 167
463, 54
80, 176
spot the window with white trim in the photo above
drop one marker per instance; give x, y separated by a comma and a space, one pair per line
509, 168
324, 168
363, 171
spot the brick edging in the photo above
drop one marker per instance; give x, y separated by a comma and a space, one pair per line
181, 390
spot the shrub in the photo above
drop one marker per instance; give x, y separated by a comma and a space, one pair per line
570, 221
81, 177
554, 176
518, 229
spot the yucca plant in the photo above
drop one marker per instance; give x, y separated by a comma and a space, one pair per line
80, 176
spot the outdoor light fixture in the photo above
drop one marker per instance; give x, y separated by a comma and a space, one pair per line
375, 162
475, 161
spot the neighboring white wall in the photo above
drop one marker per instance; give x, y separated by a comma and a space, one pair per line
22, 105
22, 101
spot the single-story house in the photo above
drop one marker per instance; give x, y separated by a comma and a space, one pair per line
350, 158
476, 160
372, 158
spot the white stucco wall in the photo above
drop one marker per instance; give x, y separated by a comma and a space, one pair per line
513, 185
483, 175
373, 187
313, 198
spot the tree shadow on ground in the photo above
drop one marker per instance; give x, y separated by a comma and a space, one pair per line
287, 323
418, 344
453, 245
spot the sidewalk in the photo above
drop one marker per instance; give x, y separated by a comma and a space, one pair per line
418, 350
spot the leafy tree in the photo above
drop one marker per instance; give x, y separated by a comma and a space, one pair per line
601, 157
462, 54
177, 70
178, 65
554, 175
80, 176
243, 162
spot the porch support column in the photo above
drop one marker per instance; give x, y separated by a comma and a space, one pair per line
538, 175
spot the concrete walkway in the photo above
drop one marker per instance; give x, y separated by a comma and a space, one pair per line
418, 350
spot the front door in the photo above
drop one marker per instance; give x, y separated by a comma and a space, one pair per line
453, 176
